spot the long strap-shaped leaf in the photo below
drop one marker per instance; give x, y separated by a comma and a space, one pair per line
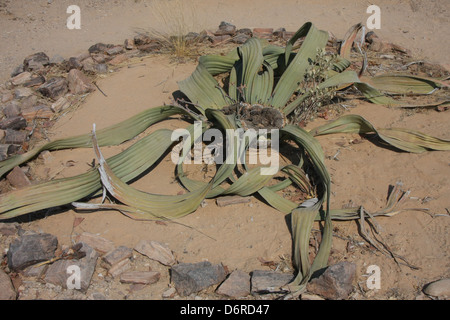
112, 135
403, 139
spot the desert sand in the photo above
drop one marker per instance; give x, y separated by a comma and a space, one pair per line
237, 236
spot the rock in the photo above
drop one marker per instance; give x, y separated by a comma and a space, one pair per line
118, 59
9, 229
2, 135
193, 277
17, 70
60, 105
119, 268
101, 245
142, 39
30, 249
15, 137
35, 271
7, 291
306, 296
35, 61
230, 200
266, 281
140, 277
37, 112
279, 33
439, 288
20, 93
129, 44
225, 28
34, 81
156, 251
263, 33
335, 283
17, 178
169, 293
192, 37
6, 150
115, 50
21, 78
7, 96
11, 110
58, 273
56, 59
150, 47
79, 83
46, 156
241, 38
115, 256
100, 57
29, 102
74, 63
14, 123
222, 38
246, 31
54, 88
99, 48
237, 285
101, 68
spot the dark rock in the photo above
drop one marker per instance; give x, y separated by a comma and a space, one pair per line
237, 285
17, 178
335, 283
35, 61
7, 291
20, 93
129, 44
226, 28
54, 88
14, 123
193, 277
192, 37
142, 39
150, 47
7, 150
15, 137
17, 70
265, 281
56, 59
58, 273
241, 38
99, 48
74, 63
34, 81
79, 83
100, 57
279, 33
30, 249
101, 68
246, 31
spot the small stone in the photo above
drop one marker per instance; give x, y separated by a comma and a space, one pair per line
169, 293
54, 88
11, 110
150, 47
17, 70
97, 296
9, 229
37, 112
279, 33
221, 38
99, 48
58, 273
119, 268
189, 278
115, 256
101, 68
246, 31
7, 291
35, 271
439, 288
30, 249
306, 296
74, 63
46, 156
100, 57
29, 102
15, 137
57, 59
101, 245
115, 50
20, 93
21, 78
6, 149
140, 277
142, 39
237, 285
241, 38
34, 81
156, 251
118, 59
17, 178
335, 283
263, 33
60, 105
226, 28
264, 281
36, 61
6, 97
14, 123
79, 83
230, 200
129, 44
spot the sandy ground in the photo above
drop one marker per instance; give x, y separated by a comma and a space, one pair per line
237, 236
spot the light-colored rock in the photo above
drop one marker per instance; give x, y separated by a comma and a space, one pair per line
79, 83
17, 178
7, 291
140, 277
439, 288
156, 251
119, 268
237, 285
21, 78
101, 245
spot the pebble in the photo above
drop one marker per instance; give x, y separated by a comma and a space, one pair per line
439, 288
156, 251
